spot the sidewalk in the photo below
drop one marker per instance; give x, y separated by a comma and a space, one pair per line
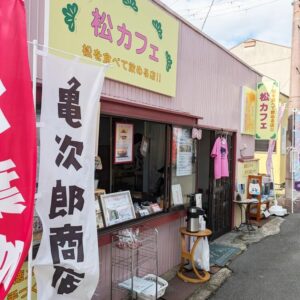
179, 290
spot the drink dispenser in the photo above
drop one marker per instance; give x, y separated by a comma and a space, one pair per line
193, 214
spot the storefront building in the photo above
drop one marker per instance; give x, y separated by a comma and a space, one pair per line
163, 151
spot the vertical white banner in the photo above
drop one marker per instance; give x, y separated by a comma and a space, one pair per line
67, 263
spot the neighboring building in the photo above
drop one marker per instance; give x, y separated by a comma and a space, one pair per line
269, 59
273, 61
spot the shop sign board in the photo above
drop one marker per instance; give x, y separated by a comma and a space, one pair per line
248, 168
137, 38
248, 111
19, 288
67, 266
267, 110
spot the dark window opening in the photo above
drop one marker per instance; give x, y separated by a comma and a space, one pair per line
263, 145
144, 174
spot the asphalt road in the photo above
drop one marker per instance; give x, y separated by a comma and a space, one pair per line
269, 269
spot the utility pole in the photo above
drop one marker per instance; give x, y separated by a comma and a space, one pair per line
294, 103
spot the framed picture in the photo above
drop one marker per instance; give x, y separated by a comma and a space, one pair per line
123, 143
117, 208
99, 214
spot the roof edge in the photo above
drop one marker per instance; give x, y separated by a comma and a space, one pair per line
265, 42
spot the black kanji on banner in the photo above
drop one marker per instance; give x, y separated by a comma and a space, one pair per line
60, 203
68, 106
66, 240
76, 148
69, 282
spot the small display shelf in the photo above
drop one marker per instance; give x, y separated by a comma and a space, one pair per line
134, 264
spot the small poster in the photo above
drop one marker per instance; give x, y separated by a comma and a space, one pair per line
184, 152
123, 143
198, 198
177, 194
144, 146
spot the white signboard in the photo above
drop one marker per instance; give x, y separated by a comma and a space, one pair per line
67, 263
177, 194
117, 207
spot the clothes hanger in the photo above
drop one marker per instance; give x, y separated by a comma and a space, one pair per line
222, 133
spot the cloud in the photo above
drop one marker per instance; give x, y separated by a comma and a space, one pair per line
229, 23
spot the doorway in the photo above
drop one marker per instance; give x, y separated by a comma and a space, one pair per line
216, 194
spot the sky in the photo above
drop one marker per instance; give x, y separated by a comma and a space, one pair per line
233, 21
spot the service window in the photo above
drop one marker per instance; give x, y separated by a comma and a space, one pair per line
133, 156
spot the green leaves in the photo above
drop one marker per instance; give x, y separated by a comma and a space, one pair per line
168, 61
70, 12
273, 137
157, 26
131, 3
260, 85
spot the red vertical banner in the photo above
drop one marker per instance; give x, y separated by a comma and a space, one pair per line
17, 143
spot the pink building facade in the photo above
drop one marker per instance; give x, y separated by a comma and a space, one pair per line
208, 97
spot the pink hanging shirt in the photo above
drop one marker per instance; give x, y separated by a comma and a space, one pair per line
220, 155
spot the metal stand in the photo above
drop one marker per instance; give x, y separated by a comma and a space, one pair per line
247, 222
133, 256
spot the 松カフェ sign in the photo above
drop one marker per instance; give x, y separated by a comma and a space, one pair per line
137, 38
267, 110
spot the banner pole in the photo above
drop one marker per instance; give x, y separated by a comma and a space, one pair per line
34, 74
293, 158
34, 70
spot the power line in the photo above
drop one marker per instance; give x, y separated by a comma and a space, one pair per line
271, 61
239, 10
234, 8
174, 3
216, 6
212, 3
